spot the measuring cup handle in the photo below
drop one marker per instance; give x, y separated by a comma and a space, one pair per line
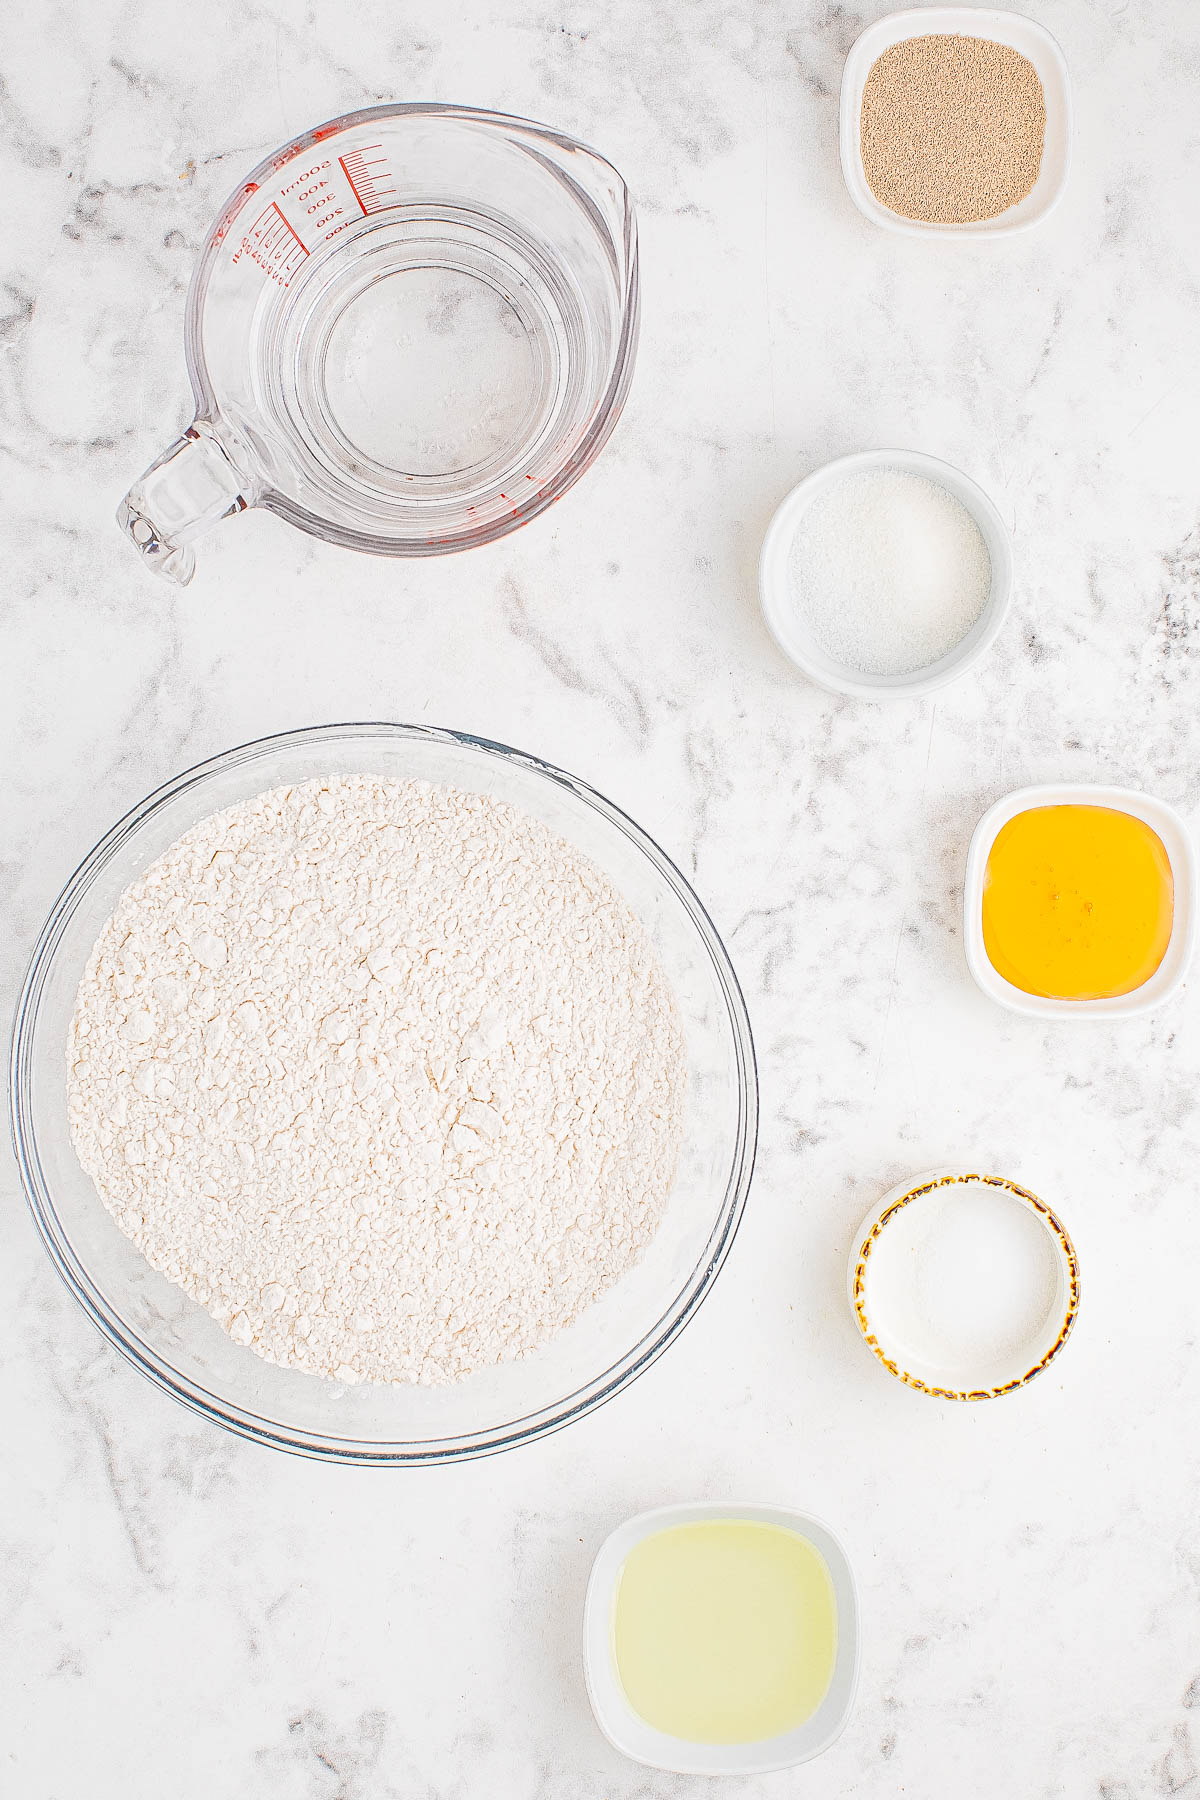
191, 485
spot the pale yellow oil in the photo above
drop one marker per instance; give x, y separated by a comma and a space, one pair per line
725, 1631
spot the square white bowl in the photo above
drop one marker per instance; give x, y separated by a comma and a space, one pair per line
629, 1733
1177, 842
1024, 35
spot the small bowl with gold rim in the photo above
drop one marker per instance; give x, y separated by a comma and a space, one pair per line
964, 1285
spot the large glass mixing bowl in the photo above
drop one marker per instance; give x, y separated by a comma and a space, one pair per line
170, 1338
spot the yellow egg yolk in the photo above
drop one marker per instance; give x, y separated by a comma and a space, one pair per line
1078, 902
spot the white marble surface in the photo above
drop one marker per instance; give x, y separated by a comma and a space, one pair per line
186, 1614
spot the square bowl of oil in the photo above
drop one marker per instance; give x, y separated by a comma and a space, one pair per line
1079, 902
721, 1638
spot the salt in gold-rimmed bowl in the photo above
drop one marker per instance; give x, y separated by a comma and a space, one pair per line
963, 1285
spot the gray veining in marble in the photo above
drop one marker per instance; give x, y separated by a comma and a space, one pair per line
185, 1614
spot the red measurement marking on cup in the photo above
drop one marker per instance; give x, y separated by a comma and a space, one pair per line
367, 172
274, 245
326, 196
221, 229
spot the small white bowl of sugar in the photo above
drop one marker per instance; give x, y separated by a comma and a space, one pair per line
885, 575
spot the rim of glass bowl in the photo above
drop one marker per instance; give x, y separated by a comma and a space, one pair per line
605, 415
252, 1425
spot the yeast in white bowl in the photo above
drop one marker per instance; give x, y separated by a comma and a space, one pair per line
995, 25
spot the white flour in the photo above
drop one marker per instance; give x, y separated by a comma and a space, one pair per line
385, 1075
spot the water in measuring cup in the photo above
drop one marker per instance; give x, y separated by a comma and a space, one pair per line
431, 373
431, 347
408, 331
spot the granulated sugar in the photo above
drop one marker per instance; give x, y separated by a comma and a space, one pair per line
385, 1075
888, 571
952, 128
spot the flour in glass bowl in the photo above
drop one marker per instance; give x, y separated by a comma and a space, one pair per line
385, 1075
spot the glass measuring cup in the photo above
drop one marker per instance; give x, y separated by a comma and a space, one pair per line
409, 331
